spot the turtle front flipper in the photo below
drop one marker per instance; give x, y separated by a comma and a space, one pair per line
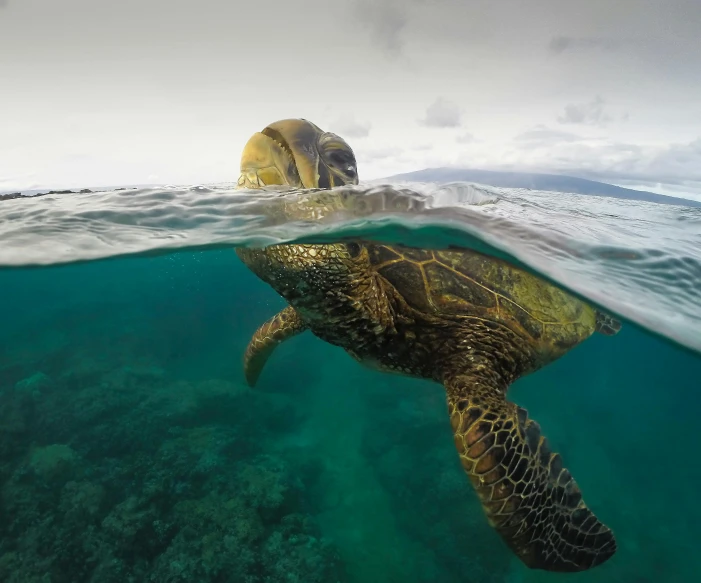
529, 497
285, 324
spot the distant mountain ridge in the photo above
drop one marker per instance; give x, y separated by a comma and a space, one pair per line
552, 182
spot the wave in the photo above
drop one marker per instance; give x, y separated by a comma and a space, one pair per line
639, 260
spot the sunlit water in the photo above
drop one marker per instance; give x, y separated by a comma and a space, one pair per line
132, 450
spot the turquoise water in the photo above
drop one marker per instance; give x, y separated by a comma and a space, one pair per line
132, 450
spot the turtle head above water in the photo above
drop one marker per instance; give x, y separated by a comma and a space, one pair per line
297, 153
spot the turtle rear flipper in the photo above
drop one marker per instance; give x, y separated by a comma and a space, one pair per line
283, 325
529, 497
606, 324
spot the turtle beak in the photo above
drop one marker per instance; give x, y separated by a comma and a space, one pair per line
296, 153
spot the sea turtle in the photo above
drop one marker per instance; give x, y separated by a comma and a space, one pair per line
466, 320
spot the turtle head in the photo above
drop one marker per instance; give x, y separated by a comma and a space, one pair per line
295, 152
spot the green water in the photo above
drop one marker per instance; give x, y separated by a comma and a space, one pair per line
132, 450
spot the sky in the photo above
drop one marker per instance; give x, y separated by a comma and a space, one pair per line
96, 93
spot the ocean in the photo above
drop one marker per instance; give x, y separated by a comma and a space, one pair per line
132, 449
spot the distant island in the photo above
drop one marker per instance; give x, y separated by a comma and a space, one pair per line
35, 193
551, 182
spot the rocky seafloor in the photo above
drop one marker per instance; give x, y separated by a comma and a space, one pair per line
123, 476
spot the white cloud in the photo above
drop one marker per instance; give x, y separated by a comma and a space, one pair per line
676, 165
543, 136
466, 138
442, 113
348, 127
373, 154
591, 113
384, 21
560, 44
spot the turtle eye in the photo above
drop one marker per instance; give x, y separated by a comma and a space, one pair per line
339, 157
344, 162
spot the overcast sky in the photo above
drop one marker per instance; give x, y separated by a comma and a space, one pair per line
141, 91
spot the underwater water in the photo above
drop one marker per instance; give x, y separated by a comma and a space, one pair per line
131, 448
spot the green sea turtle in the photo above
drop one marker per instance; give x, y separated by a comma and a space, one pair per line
468, 321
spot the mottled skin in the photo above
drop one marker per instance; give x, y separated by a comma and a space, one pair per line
470, 322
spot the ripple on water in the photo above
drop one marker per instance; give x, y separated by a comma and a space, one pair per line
639, 260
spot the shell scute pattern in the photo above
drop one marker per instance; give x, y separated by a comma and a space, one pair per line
466, 284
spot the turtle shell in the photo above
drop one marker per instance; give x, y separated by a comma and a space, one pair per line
459, 284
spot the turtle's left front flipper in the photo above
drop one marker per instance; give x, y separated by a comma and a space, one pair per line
285, 324
529, 497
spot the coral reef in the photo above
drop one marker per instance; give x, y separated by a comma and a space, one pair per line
129, 476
